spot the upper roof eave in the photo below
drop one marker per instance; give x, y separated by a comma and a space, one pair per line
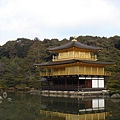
74, 44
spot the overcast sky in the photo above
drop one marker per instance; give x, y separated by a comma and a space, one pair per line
58, 18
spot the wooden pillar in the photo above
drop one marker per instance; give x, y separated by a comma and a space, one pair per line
91, 70
58, 82
98, 117
84, 70
84, 54
85, 117
73, 54
89, 56
78, 80
65, 82
97, 70
91, 116
103, 71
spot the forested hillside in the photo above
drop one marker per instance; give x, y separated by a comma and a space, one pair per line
17, 59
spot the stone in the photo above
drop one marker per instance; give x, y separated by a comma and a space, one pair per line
115, 96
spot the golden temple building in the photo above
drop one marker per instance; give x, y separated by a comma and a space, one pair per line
74, 67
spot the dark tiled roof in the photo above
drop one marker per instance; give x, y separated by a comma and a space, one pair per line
74, 61
74, 44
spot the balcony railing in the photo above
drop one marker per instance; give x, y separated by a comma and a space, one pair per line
57, 58
77, 73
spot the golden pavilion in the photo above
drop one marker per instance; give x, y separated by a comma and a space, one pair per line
74, 67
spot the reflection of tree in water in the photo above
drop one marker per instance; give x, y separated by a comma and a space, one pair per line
113, 106
23, 107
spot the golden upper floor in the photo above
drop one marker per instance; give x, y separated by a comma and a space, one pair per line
74, 70
74, 50
74, 67
80, 55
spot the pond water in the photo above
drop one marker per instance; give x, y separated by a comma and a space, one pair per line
21, 106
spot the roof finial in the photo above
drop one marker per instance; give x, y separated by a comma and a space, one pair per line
74, 38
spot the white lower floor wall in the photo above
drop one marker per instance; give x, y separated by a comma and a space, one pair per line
98, 82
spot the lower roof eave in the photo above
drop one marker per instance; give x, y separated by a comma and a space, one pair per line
65, 62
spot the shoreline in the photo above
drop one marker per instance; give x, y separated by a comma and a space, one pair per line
72, 94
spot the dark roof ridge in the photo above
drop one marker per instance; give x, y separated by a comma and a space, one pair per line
74, 44
73, 61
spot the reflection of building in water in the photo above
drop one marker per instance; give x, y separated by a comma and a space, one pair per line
68, 116
73, 105
74, 109
97, 105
